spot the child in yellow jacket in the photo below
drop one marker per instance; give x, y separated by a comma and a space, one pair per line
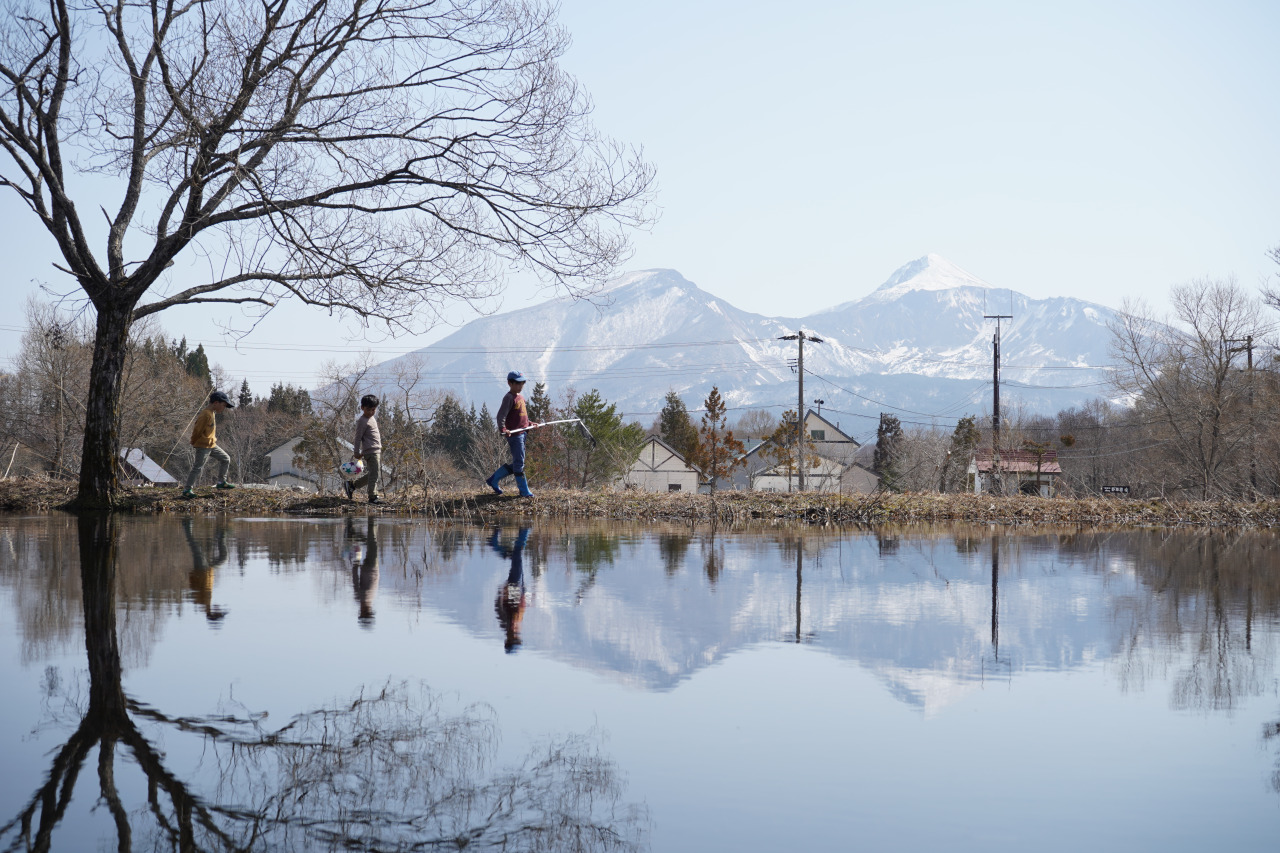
204, 438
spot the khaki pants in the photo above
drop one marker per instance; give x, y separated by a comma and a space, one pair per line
202, 456
372, 468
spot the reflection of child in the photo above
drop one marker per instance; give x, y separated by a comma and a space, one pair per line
512, 415
511, 600
200, 578
364, 570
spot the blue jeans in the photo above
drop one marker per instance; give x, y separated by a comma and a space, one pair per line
516, 443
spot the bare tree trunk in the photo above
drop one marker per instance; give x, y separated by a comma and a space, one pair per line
99, 485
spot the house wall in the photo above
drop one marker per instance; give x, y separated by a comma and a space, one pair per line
658, 469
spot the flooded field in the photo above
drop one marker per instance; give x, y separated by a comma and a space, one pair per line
272, 684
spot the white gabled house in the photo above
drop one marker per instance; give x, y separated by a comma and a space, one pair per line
286, 473
829, 466
661, 468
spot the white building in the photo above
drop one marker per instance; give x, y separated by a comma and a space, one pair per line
139, 469
661, 468
285, 472
1022, 471
829, 465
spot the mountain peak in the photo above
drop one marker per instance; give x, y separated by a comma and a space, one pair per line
931, 272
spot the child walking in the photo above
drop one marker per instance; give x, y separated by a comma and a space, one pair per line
204, 438
512, 416
368, 446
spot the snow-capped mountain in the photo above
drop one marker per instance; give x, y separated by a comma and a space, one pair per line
918, 346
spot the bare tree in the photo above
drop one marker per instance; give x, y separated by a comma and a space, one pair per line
1185, 381
380, 158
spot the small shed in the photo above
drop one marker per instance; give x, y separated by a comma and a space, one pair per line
1024, 471
139, 469
661, 468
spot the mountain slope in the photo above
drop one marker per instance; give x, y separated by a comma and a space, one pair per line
917, 346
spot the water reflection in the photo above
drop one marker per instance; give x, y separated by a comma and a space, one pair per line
362, 553
206, 558
391, 768
511, 600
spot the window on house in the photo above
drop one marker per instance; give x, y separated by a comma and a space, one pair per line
818, 434
673, 487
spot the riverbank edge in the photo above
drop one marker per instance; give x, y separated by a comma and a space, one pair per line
26, 496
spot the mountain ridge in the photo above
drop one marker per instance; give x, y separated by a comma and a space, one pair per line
916, 345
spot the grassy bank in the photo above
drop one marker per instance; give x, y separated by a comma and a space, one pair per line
22, 496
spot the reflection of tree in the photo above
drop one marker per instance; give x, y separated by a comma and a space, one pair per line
388, 770
590, 550
672, 547
1208, 588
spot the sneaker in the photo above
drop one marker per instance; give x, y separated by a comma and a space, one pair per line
349, 489
375, 500
188, 493
225, 486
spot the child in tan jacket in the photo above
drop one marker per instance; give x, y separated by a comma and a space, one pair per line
204, 438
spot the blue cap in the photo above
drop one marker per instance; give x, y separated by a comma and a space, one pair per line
515, 376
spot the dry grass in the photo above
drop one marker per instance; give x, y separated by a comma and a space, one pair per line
730, 507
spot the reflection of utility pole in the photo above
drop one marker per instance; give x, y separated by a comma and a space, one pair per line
994, 486
995, 596
1253, 433
800, 337
799, 574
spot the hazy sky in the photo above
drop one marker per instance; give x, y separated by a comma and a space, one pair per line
1097, 150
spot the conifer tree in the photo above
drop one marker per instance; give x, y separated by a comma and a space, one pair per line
676, 427
888, 444
719, 453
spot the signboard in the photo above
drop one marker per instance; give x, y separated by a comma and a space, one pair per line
1115, 490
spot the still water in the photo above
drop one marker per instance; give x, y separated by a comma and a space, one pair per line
278, 684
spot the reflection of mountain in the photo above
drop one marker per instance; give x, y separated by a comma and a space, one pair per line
922, 622
917, 611
654, 606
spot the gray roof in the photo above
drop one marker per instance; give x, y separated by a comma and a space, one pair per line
146, 466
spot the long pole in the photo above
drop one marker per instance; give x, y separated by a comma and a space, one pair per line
995, 401
800, 337
800, 419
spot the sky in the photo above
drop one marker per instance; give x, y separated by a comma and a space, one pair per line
1100, 150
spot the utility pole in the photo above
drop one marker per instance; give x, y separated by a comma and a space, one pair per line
1253, 432
995, 400
800, 337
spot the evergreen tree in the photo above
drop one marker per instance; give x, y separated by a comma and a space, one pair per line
246, 396
452, 430
964, 441
718, 452
888, 445
288, 400
539, 404
197, 363
616, 444
676, 428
